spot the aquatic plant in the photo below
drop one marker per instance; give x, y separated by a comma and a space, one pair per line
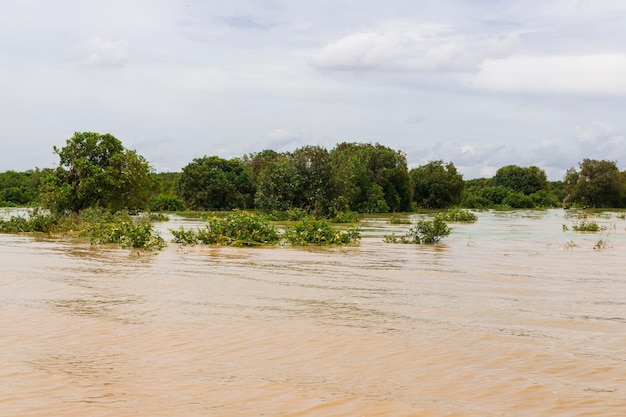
423, 232
319, 232
601, 244
459, 215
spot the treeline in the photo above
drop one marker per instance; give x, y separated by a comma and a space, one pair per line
96, 170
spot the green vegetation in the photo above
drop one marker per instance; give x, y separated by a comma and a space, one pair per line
237, 229
459, 215
98, 225
436, 185
246, 229
425, 231
96, 170
121, 229
319, 232
587, 226
596, 184
213, 183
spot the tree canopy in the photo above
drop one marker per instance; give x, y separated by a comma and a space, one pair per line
213, 183
95, 170
597, 183
436, 185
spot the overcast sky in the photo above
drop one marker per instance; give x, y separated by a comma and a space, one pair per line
481, 83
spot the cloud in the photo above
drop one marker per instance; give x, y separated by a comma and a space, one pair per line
99, 52
587, 74
404, 47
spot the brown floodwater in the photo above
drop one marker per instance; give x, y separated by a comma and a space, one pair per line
509, 316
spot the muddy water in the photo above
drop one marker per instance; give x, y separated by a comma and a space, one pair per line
511, 316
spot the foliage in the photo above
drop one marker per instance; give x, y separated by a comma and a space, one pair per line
515, 199
587, 226
423, 232
370, 178
596, 184
436, 185
237, 229
97, 224
459, 215
524, 180
319, 232
96, 170
124, 231
19, 189
166, 202
345, 217
213, 183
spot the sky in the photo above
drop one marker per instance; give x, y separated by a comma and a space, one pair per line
479, 83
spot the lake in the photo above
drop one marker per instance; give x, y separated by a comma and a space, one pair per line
509, 316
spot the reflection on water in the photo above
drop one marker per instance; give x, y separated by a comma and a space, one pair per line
509, 316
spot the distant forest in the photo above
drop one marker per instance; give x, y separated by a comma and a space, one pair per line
352, 177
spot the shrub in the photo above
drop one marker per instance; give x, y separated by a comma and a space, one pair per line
423, 232
587, 226
319, 232
123, 231
459, 215
238, 229
166, 202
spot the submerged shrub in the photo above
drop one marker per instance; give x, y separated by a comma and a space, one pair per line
125, 232
423, 232
238, 229
396, 219
459, 215
319, 232
587, 226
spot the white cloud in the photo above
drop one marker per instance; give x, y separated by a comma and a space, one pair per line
588, 74
99, 52
404, 47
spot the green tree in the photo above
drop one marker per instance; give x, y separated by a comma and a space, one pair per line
598, 183
95, 170
525, 180
371, 178
214, 183
436, 185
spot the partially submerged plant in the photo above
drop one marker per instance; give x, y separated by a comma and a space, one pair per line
423, 232
459, 215
319, 232
587, 226
237, 229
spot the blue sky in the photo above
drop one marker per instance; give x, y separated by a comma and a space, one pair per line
480, 83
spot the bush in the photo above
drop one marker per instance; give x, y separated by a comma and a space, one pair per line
319, 232
424, 232
459, 215
125, 232
166, 202
238, 229
587, 226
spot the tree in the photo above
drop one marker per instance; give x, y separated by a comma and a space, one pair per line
372, 178
436, 185
213, 183
596, 184
95, 170
525, 180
